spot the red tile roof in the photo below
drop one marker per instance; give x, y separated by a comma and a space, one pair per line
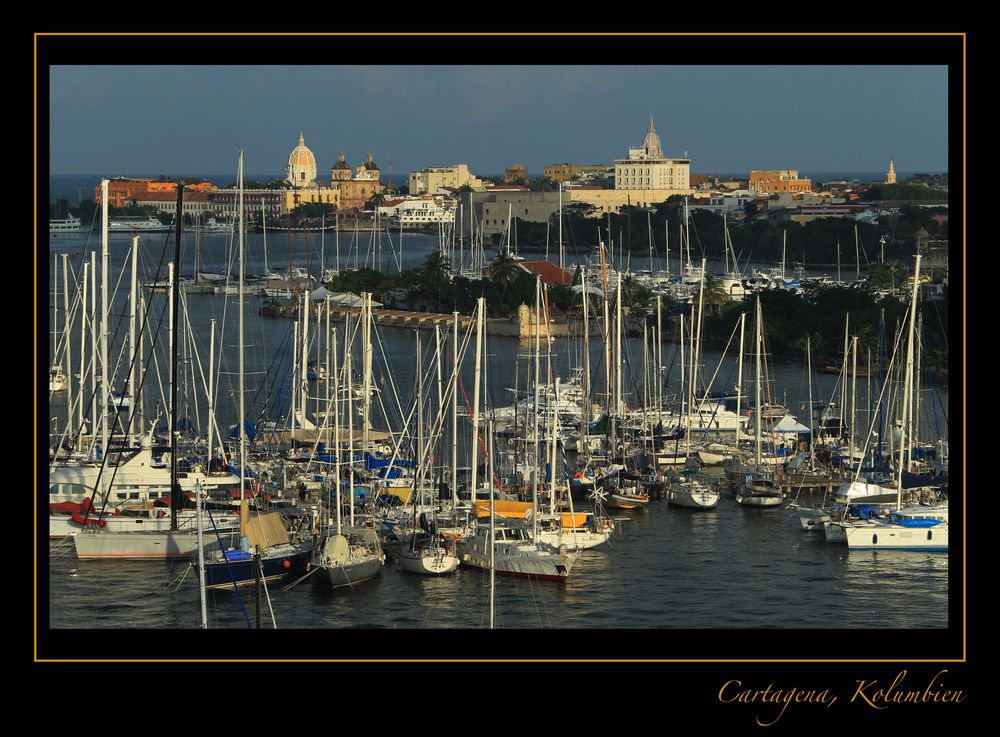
550, 272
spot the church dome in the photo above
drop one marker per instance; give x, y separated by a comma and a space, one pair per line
301, 165
651, 143
341, 162
370, 163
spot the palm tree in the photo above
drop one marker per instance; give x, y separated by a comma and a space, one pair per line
714, 297
504, 269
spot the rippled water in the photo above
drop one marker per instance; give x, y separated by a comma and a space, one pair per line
666, 568
675, 569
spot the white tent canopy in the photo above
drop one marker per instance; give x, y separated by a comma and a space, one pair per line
789, 424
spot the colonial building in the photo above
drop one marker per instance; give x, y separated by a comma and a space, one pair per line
432, 179
123, 189
646, 178
515, 173
419, 211
226, 203
301, 170
195, 204
647, 168
771, 182
342, 191
492, 209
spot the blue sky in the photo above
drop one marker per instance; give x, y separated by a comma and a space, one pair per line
113, 120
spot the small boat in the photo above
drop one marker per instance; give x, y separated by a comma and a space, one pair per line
692, 493
57, 379
276, 554
351, 557
431, 555
758, 489
515, 554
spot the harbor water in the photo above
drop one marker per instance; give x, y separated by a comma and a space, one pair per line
731, 568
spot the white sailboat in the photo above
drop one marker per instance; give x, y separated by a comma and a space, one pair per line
908, 528
424, 551
756, 486
353, 553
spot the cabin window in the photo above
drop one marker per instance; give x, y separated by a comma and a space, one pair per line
133, 495
121, 496
930, 534
874, 539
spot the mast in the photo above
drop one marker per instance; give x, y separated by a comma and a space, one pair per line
454, 419
419, 376
812, 436
757, 410
304, 354
366, 336
336, 426
739, 379
480, 308
66, 351
176, 498
618, 347
854, 394
93, 351
534, 456
104, 326
561, 262
907, 388
585, 425
211, 390
242, 408
493, 529
348, 369
83, 339
133, 371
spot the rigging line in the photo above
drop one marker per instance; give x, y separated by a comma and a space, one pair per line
229, 568
134, 408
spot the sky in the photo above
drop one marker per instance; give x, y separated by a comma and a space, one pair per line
189, 120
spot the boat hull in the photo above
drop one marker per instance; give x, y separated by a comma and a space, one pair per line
349, 574
432, 564
693, 499
219, 575
102, 545
897, 537
522, 563
758, 500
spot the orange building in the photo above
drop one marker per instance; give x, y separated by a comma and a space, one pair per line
772, 182
124, 189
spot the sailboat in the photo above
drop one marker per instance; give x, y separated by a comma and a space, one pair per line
425, 551
918, 527
505, 545
756, 486
264, 543
96, 542
353, 553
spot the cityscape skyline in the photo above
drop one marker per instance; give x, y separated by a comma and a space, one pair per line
490, 117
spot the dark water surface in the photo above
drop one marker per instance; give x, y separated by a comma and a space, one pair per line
727, 569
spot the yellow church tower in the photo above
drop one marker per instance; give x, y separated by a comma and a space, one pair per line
890, 178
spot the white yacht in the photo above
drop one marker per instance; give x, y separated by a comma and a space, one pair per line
68, 225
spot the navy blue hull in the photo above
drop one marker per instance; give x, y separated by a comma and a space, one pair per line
220, 574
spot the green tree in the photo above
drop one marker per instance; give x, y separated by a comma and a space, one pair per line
504, 269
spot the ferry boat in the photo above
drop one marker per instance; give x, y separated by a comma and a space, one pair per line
65, 225
147, 224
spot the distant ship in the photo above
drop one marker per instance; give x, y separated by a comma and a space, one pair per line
66, 225
148, 224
